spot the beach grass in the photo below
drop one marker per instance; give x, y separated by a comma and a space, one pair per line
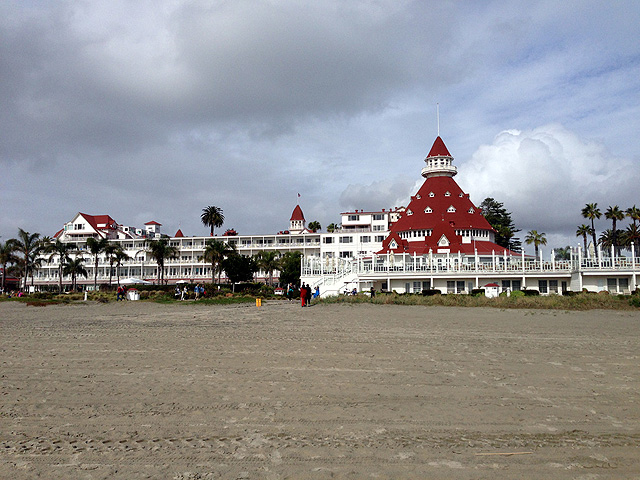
581, 301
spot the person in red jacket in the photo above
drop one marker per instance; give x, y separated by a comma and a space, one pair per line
303, 295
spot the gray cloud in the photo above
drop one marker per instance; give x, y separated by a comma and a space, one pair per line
141, 108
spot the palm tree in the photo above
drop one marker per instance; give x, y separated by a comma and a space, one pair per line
315, 226
633, 213
60, 250
582, 231
120, 256
591, 211
160, 250
614, 214
7, 256
96, 247
267, 261
212, 217
536, 238
332, 227
606, 239
75, 268
28, 246
631, 235
215, 252
110, 251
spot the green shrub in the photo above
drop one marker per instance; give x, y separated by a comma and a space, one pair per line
476, 292
517, 293
635, 301
531, 293
429, 293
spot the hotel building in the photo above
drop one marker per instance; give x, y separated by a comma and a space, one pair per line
440, 241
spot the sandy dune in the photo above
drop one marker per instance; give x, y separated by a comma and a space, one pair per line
142, 390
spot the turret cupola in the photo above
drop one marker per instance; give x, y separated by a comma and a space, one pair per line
439, 161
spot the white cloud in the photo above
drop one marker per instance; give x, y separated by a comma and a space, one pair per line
546, 175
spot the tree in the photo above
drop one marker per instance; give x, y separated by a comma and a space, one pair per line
591, 211
332, 227
582, 231
239, 268
614, 214
315, 226
535, 238
110, 251
563, 253
7, 257
28, 246
160, 250
96, 247
215, 252
498, 217
120, 256
606, 239
75, 268
267, 261
212, 217
634, 214
290, 268
631, 235
60, 250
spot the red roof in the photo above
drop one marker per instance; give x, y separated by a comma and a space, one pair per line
442, 210
178, 234
153, 222
95, 220
439, 149
297, 214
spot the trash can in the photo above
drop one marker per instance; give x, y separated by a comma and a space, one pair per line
133, 294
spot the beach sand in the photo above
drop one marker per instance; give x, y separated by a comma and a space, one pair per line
186, 391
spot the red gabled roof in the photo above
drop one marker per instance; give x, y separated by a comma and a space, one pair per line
153, 222
94, 220
179, 234
439, 149
297, 214
57, 234
440, 208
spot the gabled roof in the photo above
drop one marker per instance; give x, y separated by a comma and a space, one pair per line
153, 222
95, 220
179, 234
297, 214
439, 149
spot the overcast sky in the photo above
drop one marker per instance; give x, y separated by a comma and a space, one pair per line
153, 110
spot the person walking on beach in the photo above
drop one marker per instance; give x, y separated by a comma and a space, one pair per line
290, 292
303, 295
307, 292
185, 292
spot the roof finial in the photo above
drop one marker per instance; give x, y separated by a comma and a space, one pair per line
438, 116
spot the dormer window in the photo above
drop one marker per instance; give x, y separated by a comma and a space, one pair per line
471, 210
428, 210
451, 209
431, 194
461, 195
409, 212
447, 194
393, 245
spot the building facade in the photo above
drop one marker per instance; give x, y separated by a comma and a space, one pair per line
439, 241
